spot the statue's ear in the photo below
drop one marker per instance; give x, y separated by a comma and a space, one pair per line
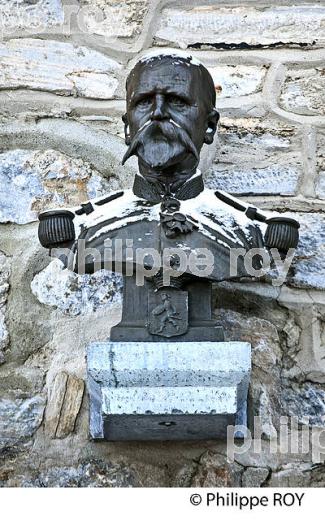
212, 120
126, 131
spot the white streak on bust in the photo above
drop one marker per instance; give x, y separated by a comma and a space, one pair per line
174, 123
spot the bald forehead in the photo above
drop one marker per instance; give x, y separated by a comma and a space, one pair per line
168, 75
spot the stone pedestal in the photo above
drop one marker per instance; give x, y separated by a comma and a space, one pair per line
167, 391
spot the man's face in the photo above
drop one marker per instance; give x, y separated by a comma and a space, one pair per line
167, 117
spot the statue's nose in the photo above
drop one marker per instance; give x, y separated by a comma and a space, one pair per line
158, 110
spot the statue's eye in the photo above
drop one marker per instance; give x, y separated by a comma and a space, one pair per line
144, 102
177, 101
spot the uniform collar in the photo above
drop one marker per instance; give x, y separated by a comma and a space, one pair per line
144, 189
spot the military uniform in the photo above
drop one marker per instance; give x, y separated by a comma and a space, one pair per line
189, 220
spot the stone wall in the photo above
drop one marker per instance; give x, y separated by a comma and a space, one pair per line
63, 65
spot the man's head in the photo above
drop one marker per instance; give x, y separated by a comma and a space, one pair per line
170, 114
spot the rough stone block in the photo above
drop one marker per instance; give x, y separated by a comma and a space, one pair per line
237, 80
76, 294
256, 157
276, 180
19, 419
224, 27
71, 406
309, 261
65, 398
32, 181
58, 67
159, 391
304, 348
266, 351
302, 92
306, 403
55, 402
255, 477
78, 140
291, 476
31, 16
113, 19
91, 472
215, 471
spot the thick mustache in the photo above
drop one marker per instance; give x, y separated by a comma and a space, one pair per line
169, 129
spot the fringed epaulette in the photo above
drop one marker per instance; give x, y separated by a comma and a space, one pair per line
56, 227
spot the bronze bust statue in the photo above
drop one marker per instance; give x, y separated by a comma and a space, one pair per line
170, 115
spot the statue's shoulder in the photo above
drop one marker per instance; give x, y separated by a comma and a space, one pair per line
278, 231
115, 206
63, 225
89, 207
219, 202
251, 212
